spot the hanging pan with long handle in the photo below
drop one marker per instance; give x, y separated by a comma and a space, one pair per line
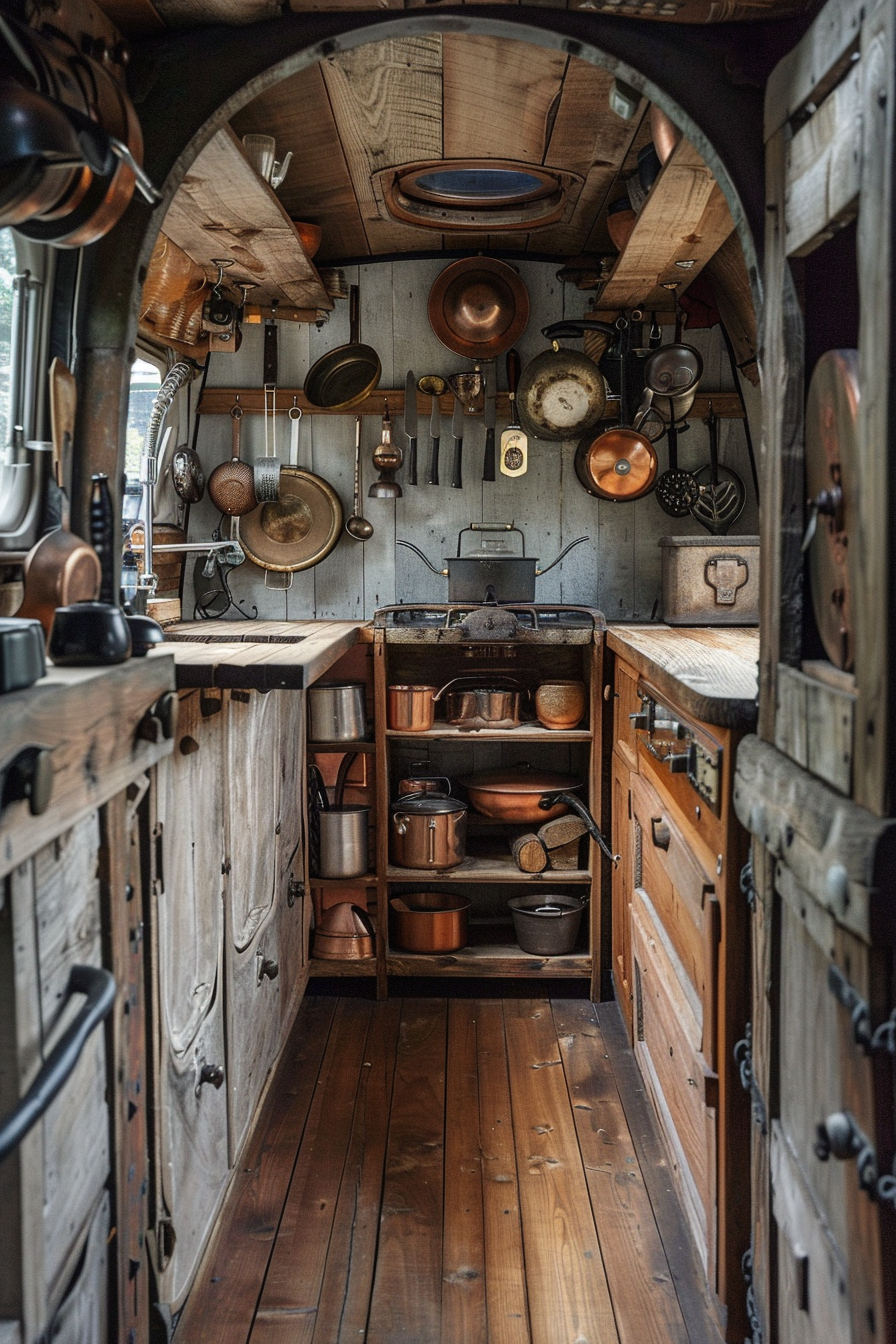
296, 531
562, 393
342, 378
620, 464
672, 371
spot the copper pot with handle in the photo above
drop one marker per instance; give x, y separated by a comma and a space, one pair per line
429, 831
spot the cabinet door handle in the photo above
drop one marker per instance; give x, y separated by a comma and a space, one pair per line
660, 833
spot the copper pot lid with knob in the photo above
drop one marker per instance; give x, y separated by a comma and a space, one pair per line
620, 464
478, 307
831, 414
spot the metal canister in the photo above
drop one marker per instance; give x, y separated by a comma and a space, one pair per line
337, 713
429, 830
343, 841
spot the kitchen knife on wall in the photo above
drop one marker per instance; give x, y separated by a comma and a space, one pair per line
457, 431
488, 461
435, 432
514, 443
410, 427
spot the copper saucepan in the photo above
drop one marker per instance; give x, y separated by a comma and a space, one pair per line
515, 795
620, 464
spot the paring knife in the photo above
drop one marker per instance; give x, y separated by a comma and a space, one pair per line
457, 430
488, 461
435, 431
410, 427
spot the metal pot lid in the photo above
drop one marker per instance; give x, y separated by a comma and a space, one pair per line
520, 779
428, 804
478, 307
298, 530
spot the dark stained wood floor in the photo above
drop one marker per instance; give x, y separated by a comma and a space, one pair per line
453, 1171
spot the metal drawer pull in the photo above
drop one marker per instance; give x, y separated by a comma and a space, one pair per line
662, 836
267, 968
210, 1073
99, 987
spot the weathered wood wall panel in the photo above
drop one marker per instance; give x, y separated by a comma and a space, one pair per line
618, 570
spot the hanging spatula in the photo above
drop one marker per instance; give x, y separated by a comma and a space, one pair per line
514, 457
722, 493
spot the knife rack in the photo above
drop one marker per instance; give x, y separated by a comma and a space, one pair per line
219, 400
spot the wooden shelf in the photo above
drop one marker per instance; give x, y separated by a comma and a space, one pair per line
491, 951
368, 880
527, 732
685, 218
318, 967
490, 868
219, 400
224, 209
338, 748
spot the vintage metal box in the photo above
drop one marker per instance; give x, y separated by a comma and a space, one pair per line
710, 580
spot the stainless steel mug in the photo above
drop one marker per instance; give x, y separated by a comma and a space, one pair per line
343, 841
337, 713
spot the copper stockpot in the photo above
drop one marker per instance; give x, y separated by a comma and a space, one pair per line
560, 704
429, 830
429, 921
410, 709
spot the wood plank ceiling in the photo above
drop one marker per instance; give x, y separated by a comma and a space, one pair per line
443, 96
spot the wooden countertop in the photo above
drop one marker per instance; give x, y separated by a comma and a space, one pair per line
710, 673
258, 655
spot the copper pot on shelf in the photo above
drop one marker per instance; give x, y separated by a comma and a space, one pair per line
429, 921
410, 709
560, 704
429, 830
515, 795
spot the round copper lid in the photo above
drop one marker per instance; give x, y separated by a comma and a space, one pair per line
478, 307
298, 530
621, 464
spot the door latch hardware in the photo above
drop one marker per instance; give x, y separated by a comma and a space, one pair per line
840, 1136
295, 891
743, 1058
28, 776
660, 832
854, 1004
210, 1073
160, 720
268, 969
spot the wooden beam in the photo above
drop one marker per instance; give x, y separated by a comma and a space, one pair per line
224, 209
685, 218
810, 70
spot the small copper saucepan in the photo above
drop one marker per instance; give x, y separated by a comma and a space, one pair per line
620, 464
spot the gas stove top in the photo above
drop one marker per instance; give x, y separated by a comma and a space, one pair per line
510, 622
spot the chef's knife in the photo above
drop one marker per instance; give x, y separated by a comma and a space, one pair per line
410, 427
435, 431
457, 430
488, 461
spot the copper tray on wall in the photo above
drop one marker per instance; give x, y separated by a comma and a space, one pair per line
478, 307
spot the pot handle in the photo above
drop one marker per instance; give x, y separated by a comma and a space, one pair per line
549, 800
572, 327
490, 527
401, 823
566, 549
475, 676
417, 551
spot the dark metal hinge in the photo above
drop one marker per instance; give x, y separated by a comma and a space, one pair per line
743, 1058
748, 884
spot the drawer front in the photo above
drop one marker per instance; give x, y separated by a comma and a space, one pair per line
683, 897
682, 1084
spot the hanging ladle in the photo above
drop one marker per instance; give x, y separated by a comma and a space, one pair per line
356, 526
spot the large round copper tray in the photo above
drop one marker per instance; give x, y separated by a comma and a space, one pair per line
298, 530
478, 307
831, 414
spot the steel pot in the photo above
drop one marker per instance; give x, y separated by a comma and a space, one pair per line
337, 713
343, 841
410, 709
547, 925
429, 830
512, 577
562, 393
479, 706
429, 921
515, 795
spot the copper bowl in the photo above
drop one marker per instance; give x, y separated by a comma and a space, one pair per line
478, 307
429, 921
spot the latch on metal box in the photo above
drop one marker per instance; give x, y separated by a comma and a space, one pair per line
725, 574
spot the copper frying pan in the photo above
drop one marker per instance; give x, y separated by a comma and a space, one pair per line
620, 464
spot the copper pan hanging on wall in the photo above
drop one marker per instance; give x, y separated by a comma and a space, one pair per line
478, 307
296, 531
620, 464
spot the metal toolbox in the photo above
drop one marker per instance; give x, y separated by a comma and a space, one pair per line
710, 581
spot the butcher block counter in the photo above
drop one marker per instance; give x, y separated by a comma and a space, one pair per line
712, 674
259, 655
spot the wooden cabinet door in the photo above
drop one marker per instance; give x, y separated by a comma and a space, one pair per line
191, 1136
290, 894
254, 787
622, 842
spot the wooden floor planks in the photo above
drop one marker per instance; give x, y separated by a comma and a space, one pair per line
452, 1172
